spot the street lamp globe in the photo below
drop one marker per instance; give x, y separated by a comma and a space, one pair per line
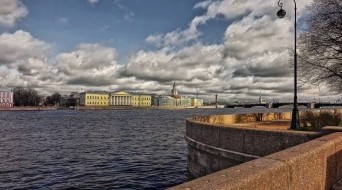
281, 13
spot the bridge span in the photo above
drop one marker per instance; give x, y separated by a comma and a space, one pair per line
277, 105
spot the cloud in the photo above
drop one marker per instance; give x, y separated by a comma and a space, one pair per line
252, 56
62, 21
174, 38
255, 47
129, 16
203, 4
29, 47
118, 4
194, 62
11, 11
88, 64
93, 2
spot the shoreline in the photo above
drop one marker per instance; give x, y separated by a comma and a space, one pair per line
82, 108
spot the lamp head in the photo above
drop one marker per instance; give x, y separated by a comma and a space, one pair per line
281, 13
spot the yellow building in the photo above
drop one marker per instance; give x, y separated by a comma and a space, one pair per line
141, 100
120, 98
94, 99
196, 102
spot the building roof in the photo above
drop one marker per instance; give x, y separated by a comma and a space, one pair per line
95, 92
5, 90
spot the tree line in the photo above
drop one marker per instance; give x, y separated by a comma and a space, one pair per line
30, 97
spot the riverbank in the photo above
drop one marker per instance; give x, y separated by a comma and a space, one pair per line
52, 108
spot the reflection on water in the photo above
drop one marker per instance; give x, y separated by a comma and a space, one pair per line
108, 149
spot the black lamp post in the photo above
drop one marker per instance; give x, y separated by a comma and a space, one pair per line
295, 114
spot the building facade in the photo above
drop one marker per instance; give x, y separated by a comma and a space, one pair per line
96, 99
176, 100
6, 98
142, 100
120, 98
164, 101
195, 102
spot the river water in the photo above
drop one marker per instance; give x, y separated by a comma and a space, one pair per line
99, 149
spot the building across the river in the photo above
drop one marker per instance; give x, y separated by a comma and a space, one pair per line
176, 100
6, 98
142, 100
123, 98
94, 98
120, 98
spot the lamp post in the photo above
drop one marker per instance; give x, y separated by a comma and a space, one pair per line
295, 114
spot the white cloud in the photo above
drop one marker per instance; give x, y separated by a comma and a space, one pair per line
93, 2
196, 62
88, 64
24, 63
62, 21
175, 38
11, 11
129, 16
203, 4
29, 47
252, 56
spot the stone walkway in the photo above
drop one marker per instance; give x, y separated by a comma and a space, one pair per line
272, 125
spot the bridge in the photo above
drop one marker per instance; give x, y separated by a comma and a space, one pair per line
277, 104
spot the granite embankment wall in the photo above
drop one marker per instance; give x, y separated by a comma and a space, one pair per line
221, 141
217, 142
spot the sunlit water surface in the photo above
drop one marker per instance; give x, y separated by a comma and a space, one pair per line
108, 149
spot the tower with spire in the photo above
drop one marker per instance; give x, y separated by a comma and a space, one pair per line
174, 91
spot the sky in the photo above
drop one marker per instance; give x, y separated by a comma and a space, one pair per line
237, 49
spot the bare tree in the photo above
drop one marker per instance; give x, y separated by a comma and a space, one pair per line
320, 44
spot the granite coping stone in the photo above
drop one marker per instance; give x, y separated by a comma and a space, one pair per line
269, 174
316, 164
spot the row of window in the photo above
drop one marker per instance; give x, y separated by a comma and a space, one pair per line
6, 105
97, 103
5, 95
97, 97
7, 100
142, 103
143, 98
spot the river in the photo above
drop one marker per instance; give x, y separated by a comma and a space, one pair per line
98, 149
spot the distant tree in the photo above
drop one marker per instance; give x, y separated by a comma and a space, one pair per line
320, 44
48, 101
25, 97
55, 98
73, 99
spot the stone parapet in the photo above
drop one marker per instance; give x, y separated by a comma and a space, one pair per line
220, 141
261, 155
316, 164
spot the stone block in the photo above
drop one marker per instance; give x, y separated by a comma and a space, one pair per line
210, 135
231, 139
188, 128
214, 163
336, 138
196, 131
309, 164
255, 175
262, 142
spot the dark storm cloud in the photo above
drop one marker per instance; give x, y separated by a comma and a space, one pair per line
262, 72
89, 81
125, 73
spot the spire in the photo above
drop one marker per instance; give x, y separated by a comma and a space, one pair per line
174, 90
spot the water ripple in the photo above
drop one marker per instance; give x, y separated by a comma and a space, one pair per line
71, 150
